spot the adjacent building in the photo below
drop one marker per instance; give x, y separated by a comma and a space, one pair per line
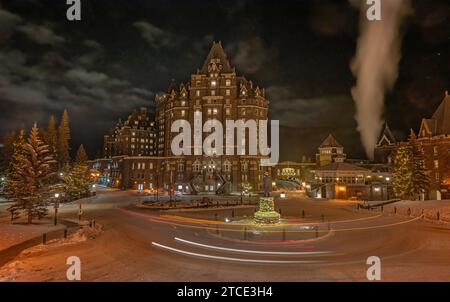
135, 137
330, 151
434, 137
337, 177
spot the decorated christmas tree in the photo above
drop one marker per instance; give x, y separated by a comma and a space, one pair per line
403, 172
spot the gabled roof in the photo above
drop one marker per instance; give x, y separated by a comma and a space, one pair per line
442, 116
330, 141
439, 123
217, 52
386, 136
338, 166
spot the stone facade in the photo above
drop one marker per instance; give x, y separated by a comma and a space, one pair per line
136, 136
216, 92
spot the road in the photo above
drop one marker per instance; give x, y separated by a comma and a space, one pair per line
142, 245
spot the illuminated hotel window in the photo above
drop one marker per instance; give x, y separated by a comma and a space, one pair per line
213, 83
228, 82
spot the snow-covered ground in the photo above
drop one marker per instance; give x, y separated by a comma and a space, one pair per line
12, 234
21, 265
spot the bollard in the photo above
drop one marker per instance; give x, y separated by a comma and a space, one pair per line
317, 232
409, 211
395, 210
382, 209
303, 213
279, 210
284, 234
232, 213
65, 233
438, 216
245, 233
44, 238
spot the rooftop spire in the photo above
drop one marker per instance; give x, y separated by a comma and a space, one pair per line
216, 58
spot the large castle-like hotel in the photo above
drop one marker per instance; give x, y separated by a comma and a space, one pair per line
138, 151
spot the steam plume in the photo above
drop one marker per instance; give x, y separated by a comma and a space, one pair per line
375, 66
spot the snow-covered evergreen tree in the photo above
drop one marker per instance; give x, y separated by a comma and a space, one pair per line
28, 180
77, 181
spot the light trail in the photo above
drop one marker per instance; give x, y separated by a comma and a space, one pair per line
286, 231
249, 251
214, 222
212, 257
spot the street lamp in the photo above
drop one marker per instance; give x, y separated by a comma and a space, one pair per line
56, 206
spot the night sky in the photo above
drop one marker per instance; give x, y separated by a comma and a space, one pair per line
124, 52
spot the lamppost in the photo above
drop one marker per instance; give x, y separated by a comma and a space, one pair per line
56, 206
80, 212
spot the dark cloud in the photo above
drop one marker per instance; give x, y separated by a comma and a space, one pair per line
8, 21
40, 34
155, 36
330, 18
251, 55
122, 52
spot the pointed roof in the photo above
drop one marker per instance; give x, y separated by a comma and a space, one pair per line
217, 54
330, 141
172, 86
439, 123
386, 135
442, 116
